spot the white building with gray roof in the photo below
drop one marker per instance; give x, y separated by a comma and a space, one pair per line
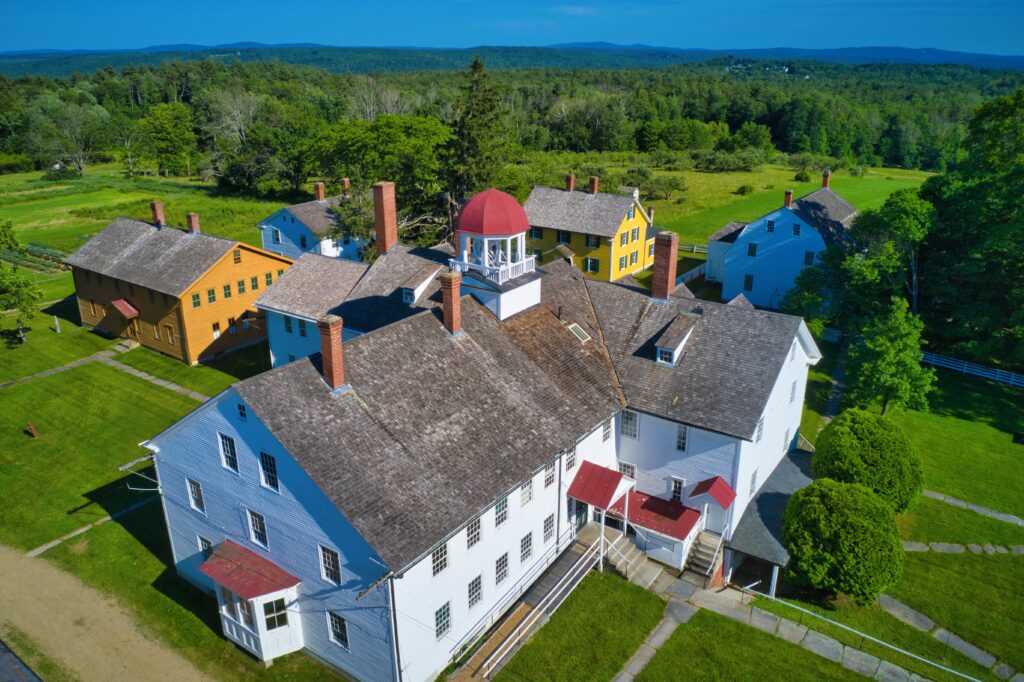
311, 227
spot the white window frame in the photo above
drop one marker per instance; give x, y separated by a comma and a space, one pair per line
606, 430
501, 569
501, 512
760, 430
682, 437
591, 265
205, 546
475, 591
634, 234
549, 527
570, 459
196, 499
526, 493
622, 262
439, 559
224, 461
269, 479
624, 239
635, 419
443, 620
275, 235
275, 613
247, 617
634, 257
526, 547
677, 485
474, 533
664, 355
331, 615
563, 237
250, 515
628, 470
325, 572
549, 475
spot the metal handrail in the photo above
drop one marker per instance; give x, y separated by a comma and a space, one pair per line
538, 612
611, 546
714, 557
861, 634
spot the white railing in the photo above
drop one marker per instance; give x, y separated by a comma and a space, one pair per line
500, 274
694, 248
692, 274
625, 561
714, 557
552, 600
964, 367
747, 590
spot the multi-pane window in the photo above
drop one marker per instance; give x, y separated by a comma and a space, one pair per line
682, 432
760, 430
236, 255
606, 430
216, 330
792, 391
665, 356
475, 591
501, 512
536, 233
227, 452
501, 569
593, 241
196, 301
473, 532
796, 229
752, 249
549, 527
245, 608
275, 613
443, 620
257, 528
241, 286
564, 237
549, 475
169, 333
337, 629
677, 490
591, 264
276, 235
622, 262
526, 493
228, 598
227, 291
808, 258
635, 234
330, 565
288, 324
748, 282
570, 459
279, 273
628, 470
633, 258
630, 423
205, 546
268, 471
624, 239
650, 251
269, 278
439, 559
771, 225
254, 283
195, 495
302, 327
526, 547
753, 482
631, 213
211, 295
242, 414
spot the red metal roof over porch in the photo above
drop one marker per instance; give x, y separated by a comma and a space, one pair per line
667, 517
245, 572
721, 491
595, 485
125, 308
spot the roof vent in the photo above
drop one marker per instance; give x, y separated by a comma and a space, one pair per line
578, 332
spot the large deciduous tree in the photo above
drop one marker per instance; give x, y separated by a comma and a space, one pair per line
16, 291
885, 363
67, 132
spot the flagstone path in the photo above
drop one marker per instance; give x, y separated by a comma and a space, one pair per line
956, 548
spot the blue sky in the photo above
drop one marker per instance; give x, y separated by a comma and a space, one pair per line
993, 26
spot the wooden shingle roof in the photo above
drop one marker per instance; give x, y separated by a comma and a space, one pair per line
585, 212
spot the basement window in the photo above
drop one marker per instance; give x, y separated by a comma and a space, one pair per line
578, 332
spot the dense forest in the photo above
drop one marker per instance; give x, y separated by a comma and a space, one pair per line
264, 126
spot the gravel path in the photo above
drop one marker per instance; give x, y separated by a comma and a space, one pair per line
87, 632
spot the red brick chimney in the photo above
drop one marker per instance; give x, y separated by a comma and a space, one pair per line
192, 219
451, 302
789, 198
318, 190
570, 182
593, 184
666, 252
157, 207
384, 216
332, 352
345, 184
825, 177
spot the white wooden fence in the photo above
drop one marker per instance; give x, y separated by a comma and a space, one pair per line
1000, 375
692, 274
693, 248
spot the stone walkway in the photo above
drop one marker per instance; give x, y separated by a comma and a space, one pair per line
984, 511
955, 548
919, 621
107, 358
676, 613
836, 394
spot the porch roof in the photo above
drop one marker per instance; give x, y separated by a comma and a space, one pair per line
668, 517
245, 572
594, 484
125, 308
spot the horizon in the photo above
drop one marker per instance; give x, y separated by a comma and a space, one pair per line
989, 27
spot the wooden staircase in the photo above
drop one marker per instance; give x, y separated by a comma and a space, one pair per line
703, 560
632, 564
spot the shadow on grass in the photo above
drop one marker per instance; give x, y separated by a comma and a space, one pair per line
244, 362
66, 310
979, 400
115, 496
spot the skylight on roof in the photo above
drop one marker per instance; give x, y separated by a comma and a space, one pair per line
578, 332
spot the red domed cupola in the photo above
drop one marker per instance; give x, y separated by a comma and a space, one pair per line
492, 212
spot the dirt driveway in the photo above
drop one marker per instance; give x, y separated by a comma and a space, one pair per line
87, 632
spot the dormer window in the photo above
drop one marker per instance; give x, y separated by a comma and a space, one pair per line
665, 356
408, 296
669, 345
417, 283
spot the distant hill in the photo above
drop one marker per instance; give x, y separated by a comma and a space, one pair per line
371, 59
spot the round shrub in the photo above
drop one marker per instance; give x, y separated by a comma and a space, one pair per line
802, 176
843, 538
866, 448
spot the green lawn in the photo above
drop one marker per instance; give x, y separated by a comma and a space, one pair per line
819, 389
130, 560
90, 420
55, 285
873, 621
713, 647
966, 441
593, 634
978, 597
934, 521
61, 214
44, 347
210, 378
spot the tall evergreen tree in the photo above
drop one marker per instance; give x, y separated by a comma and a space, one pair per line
481, 146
